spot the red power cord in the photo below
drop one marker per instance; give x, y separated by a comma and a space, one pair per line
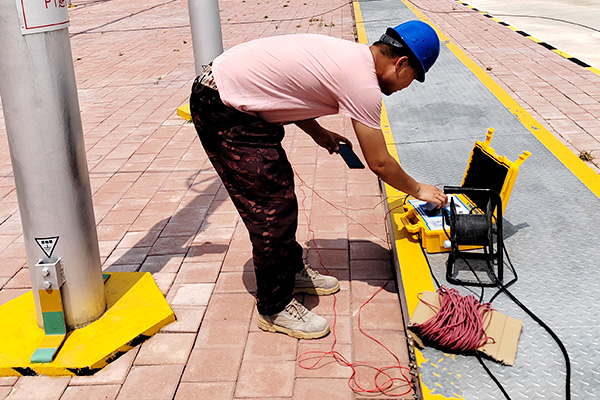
384, 382
458, 322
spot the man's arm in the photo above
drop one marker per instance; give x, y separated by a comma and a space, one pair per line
379, 160
323, 137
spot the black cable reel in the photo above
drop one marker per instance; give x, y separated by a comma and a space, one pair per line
480, 231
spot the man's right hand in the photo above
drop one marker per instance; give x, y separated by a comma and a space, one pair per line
323, 137
379, 160
431, 194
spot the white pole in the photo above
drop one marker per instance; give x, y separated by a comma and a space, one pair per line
45, 137
207, 39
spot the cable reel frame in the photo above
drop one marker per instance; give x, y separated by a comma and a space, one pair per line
484, 229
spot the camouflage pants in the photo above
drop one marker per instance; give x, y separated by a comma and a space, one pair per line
246, 152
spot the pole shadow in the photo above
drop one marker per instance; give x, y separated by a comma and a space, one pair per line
171, 237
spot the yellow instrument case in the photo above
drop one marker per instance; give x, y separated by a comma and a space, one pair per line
485, 169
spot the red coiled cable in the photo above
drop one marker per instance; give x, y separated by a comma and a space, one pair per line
458, 324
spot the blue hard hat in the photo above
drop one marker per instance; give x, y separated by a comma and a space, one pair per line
422, 41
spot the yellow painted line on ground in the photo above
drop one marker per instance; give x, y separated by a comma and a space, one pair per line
413, 266
360, 25
594, 70
580, 169
562, 53
535, 39
546, 45
414, 270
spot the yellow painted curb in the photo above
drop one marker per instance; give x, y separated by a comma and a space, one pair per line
411, 260
360, 25
136, 310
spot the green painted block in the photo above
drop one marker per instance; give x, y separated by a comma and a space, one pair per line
43, 356
54, 323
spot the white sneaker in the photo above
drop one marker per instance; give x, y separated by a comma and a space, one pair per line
296, 321
310, 281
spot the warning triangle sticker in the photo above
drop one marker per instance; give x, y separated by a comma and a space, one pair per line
47, 244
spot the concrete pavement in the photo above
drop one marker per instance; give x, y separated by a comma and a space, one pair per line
570, 26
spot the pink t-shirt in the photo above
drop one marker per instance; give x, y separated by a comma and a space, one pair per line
296, 77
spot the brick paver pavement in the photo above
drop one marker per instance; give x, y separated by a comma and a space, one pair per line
160, 207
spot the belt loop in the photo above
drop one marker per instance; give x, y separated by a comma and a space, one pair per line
207, 78
205, 66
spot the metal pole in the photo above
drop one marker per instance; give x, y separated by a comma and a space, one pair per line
207, 39
45, 137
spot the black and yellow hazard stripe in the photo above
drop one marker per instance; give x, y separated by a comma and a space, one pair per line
534, 39
136, 309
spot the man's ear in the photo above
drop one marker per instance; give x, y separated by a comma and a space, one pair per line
400, 61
